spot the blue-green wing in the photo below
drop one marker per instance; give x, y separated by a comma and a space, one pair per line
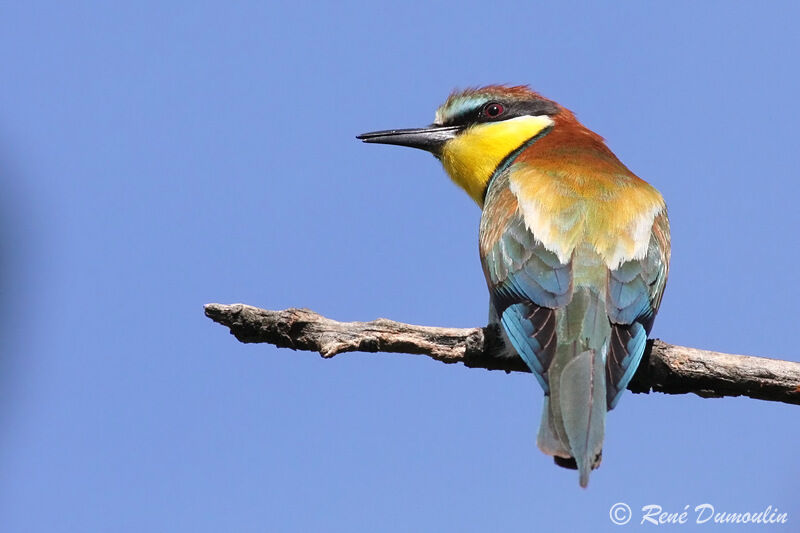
527, 283
633, 297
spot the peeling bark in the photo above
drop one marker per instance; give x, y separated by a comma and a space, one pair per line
665, 367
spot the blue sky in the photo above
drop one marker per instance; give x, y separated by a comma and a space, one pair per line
158, 156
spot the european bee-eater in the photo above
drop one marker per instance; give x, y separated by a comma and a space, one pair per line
574, 246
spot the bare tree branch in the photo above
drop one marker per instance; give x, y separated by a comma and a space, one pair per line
664, 368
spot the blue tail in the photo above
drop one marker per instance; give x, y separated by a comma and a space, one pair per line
582, 398
573, 421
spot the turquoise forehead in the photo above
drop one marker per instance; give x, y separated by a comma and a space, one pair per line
458, 105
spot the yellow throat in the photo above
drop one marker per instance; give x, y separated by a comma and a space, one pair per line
472, 156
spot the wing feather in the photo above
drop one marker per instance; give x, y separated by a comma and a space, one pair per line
527, 282
633, 297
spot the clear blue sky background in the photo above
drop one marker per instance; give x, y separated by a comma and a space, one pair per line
157, 156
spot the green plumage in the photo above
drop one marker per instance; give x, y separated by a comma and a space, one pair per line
574, 246
580, 327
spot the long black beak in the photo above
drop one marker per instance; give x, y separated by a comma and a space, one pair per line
430, 139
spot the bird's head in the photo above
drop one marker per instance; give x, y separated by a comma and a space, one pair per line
477, 132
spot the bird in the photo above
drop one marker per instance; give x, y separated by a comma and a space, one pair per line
574, 246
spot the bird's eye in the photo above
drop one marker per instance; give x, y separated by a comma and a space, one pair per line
493, 110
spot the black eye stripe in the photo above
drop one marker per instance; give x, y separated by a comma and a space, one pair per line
511, 109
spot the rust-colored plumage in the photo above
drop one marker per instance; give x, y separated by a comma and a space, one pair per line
574, 246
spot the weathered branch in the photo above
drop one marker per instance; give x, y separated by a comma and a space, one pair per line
665, 367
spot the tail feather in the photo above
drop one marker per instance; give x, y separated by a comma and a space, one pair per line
548, 440
582, 398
